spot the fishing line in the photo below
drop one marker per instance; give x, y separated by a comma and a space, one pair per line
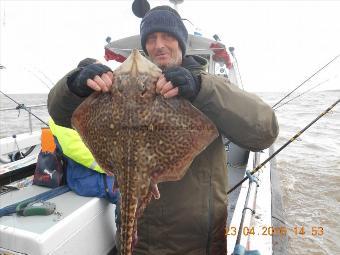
283, 146
318, 71
22, 106
41, 80
46, 77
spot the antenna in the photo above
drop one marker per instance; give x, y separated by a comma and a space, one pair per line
3, 14
232, 49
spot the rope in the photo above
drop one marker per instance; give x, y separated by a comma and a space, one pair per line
43, 196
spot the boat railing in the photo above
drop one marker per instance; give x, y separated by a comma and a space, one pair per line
28, 108
18, 146
17, 107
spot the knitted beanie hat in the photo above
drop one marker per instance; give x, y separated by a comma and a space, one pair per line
86, 62
164, 19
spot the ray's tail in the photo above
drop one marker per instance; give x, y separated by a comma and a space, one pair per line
128, 228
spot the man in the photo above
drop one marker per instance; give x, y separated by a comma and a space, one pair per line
190, 216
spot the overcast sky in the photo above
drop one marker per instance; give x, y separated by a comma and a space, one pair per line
278, 43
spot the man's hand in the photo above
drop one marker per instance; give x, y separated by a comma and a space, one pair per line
180, 82
165, 88
94, 77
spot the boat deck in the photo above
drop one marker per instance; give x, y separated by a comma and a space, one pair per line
79, 219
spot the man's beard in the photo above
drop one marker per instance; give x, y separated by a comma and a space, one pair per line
163, 67
172, 63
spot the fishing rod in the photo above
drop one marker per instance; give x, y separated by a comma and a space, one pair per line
317, 85
318, 71
283, 146
22, 106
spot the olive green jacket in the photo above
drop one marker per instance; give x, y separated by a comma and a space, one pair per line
191, 214
61, 102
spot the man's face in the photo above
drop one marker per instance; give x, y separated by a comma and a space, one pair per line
163, 50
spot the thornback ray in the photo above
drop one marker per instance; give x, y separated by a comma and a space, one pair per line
140, 137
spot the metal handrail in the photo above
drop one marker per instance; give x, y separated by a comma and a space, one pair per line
16, 108
29, 112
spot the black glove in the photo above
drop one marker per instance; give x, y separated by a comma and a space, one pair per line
77, 81
188, 84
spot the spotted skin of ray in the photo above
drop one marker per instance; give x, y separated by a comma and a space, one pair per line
140, 137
